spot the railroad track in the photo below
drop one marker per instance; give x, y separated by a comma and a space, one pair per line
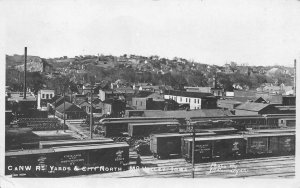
271, 167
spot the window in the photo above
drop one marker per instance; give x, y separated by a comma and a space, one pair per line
135, 102
198, 101
141, 103
218, 93
180, 99
189, 99
47, 96
43, 96
186, 99
51, 96
195, 100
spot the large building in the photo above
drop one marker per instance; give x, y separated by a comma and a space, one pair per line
196, 100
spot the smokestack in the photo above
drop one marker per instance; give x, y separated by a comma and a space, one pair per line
215, 81
295, 71
25, 70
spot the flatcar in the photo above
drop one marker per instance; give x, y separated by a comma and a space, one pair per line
68, 160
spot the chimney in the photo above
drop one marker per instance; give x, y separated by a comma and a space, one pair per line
295, 79
25, 70
215, 81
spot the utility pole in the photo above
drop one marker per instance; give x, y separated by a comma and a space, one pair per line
193, 152
192, 128
64, 111
91, 116
25, 70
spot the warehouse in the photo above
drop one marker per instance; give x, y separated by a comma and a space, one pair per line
251, 108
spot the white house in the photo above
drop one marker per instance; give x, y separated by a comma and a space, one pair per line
43, 97
196, 100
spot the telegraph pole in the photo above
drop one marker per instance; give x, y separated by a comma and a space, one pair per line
91, 116
25, 70
64, 111
192, 128
193, 152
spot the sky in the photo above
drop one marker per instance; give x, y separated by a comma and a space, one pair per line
253, 32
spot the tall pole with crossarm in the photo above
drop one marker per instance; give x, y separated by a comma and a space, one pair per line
193, 153
91, 116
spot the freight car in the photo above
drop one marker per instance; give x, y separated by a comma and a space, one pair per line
120, 128
213, 148
57, 143
270, 144
230, 147
68, 160
169, 144
287, 122
243, 122
145, 129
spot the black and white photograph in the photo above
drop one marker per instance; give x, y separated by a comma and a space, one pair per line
148, 89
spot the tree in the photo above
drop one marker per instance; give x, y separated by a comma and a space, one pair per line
35, 81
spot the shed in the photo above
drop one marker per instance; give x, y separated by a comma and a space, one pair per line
71, 111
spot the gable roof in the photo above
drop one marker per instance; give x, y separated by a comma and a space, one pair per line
251, 106
69, 107
143, 94
60, 100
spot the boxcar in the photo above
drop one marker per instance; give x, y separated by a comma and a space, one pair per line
282, 144
168, 144
270, 144
57, 143
118, 128
68, 160
145, 129
287, 122
213, 148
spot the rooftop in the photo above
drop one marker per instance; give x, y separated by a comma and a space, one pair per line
18, 96
230, 101
251, 106
188, 114
188, 94
69, 107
